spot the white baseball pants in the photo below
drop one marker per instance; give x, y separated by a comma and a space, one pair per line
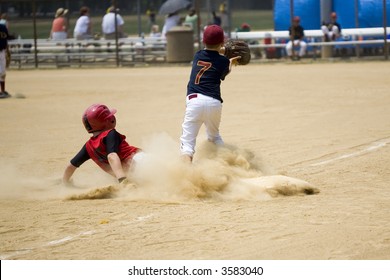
335, 32
200, 109
302, 47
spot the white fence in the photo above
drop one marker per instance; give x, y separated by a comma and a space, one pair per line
72, 52
136, 50
352, 37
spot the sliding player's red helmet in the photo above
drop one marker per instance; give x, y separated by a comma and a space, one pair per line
98, 117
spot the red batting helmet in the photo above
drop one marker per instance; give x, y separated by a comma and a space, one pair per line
98, 117
213, 35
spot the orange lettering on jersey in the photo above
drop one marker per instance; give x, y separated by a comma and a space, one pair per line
205, 66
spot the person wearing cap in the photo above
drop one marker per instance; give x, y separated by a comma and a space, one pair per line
204, 101
106, 147
59, 28
331, 29
108, 24
297, 34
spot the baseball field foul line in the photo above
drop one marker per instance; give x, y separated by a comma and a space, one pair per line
64, 240
371, 148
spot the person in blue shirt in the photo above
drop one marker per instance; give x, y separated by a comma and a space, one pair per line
204, 101
296, 33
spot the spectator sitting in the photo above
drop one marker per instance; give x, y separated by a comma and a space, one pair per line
332, 29
296, 33
155, 31
59, 29
108, 24
191, 19
244, 28
83, 28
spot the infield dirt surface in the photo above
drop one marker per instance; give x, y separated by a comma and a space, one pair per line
325, 123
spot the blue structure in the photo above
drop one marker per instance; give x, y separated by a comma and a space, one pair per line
369, 13
307, 10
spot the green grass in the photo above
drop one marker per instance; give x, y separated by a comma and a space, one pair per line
258, 20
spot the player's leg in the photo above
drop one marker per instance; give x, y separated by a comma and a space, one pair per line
213, 120
3, 93
190, 128
289, 47
325, 30
302, 49
335, 32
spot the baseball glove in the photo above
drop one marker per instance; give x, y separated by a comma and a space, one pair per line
235, 48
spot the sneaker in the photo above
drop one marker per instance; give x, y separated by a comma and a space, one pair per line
4, 94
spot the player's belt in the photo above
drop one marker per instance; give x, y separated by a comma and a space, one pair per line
194, 95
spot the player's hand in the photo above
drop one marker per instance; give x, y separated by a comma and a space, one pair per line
234, 60
68, 183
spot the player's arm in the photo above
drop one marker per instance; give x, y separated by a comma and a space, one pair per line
69, 170
232, 61
81, 157
113, 141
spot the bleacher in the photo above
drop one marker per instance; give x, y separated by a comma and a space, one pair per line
77, 53
133, 51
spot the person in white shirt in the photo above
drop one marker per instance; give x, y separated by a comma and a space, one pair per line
83, 28
108, 24
171, 20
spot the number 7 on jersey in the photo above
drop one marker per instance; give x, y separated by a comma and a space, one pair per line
205, 66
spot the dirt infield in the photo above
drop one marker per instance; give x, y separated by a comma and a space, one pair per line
324, 123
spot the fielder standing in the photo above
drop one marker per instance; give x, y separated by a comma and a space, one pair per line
3, 60
204, 102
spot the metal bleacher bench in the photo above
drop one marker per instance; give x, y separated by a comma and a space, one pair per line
72, 52
352, 37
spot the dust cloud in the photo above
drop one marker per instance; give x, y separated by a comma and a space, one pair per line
217, 173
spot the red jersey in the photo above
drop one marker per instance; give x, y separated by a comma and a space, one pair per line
97, 150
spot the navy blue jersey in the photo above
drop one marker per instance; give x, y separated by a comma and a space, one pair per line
208, 69
299, 32
3, 37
